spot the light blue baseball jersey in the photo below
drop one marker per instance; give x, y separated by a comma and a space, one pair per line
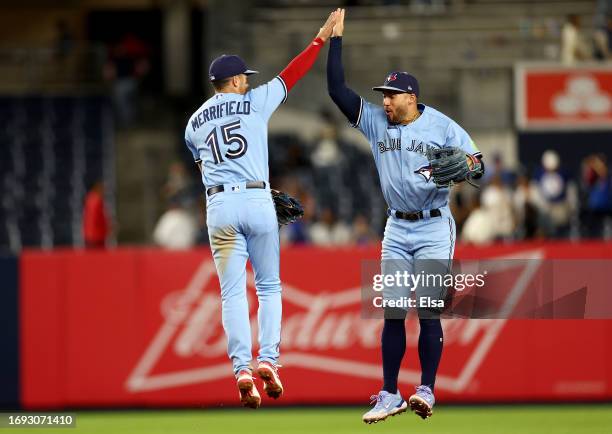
229, 134
400, 154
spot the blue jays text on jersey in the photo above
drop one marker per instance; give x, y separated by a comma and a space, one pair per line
399, 150
396, 145
420, 230
400, 154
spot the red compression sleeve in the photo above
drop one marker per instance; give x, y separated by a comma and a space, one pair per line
301, 64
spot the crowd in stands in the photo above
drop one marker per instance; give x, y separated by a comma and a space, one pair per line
578, 45
549, 203
337, 183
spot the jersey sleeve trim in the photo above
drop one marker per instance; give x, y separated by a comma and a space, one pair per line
356, 124
284, 88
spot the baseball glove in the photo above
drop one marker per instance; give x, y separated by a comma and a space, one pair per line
450, 165
287, 208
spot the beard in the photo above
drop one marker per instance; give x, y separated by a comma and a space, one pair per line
397, 116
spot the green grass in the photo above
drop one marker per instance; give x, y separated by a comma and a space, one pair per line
536, 419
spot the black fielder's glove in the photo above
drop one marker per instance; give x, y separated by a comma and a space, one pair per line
288, 209
450, 165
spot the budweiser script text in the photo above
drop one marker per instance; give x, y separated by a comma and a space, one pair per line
319, 328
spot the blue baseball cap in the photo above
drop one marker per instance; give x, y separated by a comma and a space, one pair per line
228, 65
399, 82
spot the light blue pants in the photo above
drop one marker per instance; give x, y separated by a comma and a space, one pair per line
423, 246
242, 224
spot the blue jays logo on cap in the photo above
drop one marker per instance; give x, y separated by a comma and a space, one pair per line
228, 65
399, 82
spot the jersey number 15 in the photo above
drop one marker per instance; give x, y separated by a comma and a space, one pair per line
229, 138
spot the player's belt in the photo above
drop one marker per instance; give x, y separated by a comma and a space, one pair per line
414, 216
219, 188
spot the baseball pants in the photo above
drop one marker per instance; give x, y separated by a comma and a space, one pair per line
242, 224
423, 247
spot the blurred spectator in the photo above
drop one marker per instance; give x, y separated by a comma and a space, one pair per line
598, 195
128, 63
558, 196
296, 233
327, 162
95, 221
526, 202
603, 40
478, 227
362, 232
492, 219
327, 152
329, 231
497, 168
497, 201
573, 43
177, 228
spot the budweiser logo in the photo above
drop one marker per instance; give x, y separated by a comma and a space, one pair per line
322, 332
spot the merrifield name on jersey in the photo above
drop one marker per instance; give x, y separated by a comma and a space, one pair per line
228, 108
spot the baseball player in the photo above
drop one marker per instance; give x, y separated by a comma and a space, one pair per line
420, 228
228, 138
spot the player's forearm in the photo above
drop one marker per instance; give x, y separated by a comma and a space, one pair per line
301, 64
347, 101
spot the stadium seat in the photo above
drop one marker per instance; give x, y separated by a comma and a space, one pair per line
49, 164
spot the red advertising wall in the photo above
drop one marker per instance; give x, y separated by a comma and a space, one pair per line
136, 327
563, 97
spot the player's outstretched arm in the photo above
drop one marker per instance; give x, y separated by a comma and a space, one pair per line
345, 98
302, 63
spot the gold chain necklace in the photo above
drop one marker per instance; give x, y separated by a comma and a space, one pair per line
414, 118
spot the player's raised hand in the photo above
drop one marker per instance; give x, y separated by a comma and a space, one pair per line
339, 26
326, 31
